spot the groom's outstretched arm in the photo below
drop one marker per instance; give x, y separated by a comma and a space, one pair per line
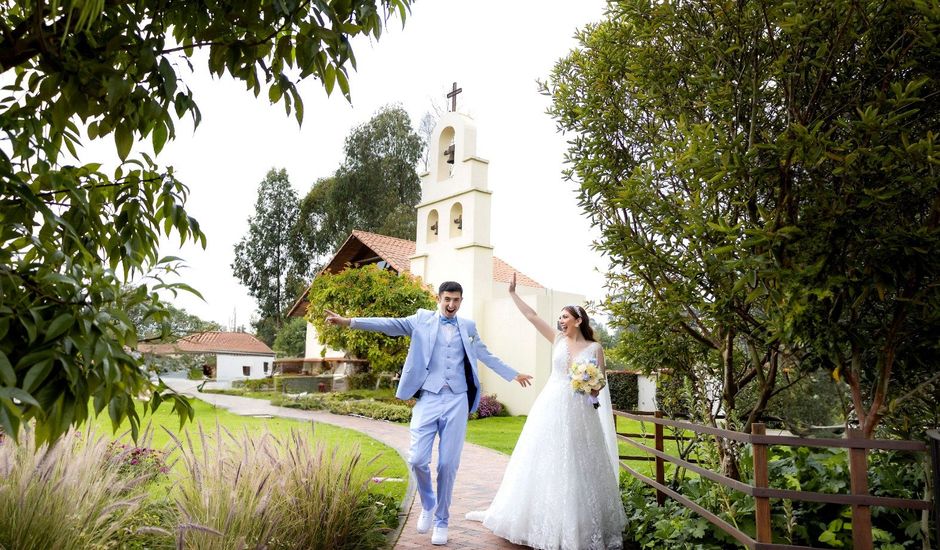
496, 364
388, 325
391, 326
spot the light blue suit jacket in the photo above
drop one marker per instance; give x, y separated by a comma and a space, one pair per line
423, 328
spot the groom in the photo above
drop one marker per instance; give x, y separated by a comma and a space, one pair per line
441, 371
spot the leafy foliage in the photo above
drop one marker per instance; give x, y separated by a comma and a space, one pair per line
291, 340
264, 259
341, 404
624, 390
168, 324
490, 406
367, 291
793, 522
764, 177
73, 233
376, 188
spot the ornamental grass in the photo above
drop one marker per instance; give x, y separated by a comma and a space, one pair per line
70, 495
245, 492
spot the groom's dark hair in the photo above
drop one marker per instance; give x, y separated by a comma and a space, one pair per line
449, 286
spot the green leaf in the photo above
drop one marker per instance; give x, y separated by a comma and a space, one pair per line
159, 137
7, 374
329, 78
37, 374
59, 326
9, 418
123, 140
274, 93
22, 396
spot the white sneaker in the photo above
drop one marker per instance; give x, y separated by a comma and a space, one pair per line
424, 520
439, 536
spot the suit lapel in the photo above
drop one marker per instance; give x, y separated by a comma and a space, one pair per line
435, 326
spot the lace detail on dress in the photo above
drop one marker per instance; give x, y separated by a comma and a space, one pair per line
559, 491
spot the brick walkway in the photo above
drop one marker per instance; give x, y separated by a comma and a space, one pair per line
481, 469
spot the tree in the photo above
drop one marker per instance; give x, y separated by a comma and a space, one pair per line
764, 175
291, 340
367, 291
73, 233
264, 261
375, 189
168, 324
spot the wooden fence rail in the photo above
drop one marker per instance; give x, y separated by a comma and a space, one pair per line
859, 498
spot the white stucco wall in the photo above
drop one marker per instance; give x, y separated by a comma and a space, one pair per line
230, 366
513, 339
314, 348
646, 390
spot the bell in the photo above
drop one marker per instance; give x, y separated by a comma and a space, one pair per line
450, 154
458, 221
434, 228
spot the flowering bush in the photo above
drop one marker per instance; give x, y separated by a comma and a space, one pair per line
489, 406
137, 462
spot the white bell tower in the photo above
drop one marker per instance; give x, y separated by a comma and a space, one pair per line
453, 237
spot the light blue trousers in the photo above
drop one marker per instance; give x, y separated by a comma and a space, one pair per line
443, 413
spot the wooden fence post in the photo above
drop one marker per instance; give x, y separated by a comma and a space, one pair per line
858, 477
761, 480
660, 463
933, 439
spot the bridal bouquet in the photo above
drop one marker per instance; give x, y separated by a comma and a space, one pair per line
585, 377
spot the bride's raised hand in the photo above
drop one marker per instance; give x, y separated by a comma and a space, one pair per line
512, 284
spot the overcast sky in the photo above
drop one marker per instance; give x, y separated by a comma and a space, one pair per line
494, 50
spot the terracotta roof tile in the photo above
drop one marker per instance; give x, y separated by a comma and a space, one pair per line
502, 272
395, 251
211, 342
398, 252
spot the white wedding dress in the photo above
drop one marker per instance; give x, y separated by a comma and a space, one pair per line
560, 489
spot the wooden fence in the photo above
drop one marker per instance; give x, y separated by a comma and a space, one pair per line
859, 499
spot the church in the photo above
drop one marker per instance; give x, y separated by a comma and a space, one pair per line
453, 244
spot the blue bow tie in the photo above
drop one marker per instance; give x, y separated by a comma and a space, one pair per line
449, 321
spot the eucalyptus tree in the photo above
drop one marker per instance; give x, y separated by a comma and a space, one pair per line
264, 257
375, 189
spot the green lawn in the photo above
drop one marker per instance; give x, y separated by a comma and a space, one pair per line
387, 461
501, 433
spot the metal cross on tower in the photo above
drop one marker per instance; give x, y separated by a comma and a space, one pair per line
452, 95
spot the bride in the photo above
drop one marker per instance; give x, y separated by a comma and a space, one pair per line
560, 489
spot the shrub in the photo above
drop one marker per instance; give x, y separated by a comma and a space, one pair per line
375, 409
623, 390
70, 495
301, 383
489, 406
254, 384
793, 522
138, 462
338, 403
361, 380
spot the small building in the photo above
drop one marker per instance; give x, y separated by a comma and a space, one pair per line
223, 356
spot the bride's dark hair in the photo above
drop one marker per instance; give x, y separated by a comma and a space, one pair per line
578, 313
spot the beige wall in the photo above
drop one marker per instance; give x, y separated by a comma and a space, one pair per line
513, 339
314, 348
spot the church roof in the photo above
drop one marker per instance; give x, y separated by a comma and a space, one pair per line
363, 248
211, 342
